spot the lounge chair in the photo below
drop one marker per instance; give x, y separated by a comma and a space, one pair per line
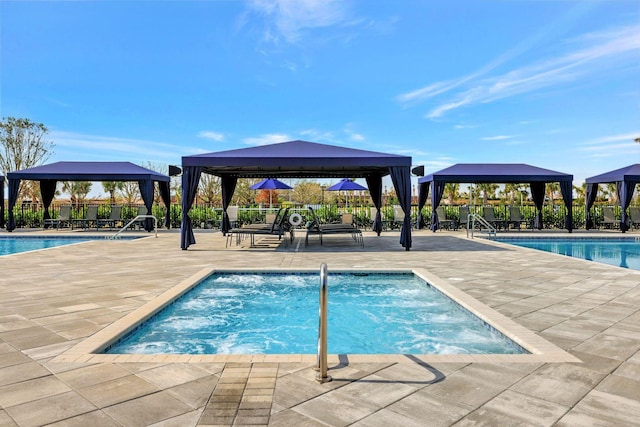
515, 217
64, 217
398, 217
279, 227
464, 216
442, 218
321, 229
114, 217
90, 218
142, 210
609, 220
634, 217
489, 216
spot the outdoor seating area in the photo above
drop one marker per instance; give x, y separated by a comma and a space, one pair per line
319, 229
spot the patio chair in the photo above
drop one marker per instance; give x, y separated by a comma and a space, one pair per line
372, 214
634, 217
64, 217
139, 223
489, 216
398, 217
515, 217
464, 216
114, 217
442, 218
320, 229
278, 227
90, 218
609, 218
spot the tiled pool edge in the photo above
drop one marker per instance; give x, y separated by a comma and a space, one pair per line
541, 350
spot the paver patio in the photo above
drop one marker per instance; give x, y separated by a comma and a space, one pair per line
52, 300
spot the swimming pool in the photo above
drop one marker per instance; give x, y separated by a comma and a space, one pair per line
14, 245
620, 252
277, 313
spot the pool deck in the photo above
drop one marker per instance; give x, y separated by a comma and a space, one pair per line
51, 301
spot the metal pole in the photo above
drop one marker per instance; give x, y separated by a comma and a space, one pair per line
322, 376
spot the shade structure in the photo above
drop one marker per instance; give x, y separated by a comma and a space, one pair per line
626, 179
270, 184
346, 184
51, 173
297, 159
495, 173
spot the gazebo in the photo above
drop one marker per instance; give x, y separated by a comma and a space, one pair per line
297, 159
625, 179
499, 173
50, 174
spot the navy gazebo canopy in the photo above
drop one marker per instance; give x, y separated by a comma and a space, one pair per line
297, 159
50, 174
625, 179
515, 173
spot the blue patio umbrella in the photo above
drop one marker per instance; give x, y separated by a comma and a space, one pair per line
346, 184
270, 184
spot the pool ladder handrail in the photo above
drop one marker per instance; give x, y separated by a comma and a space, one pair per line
473, 217
139, 217
322, 376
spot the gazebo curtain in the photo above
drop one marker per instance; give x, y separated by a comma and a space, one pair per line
423, 195
1, 202
228, 187
401, 178
537, 194
146, 191
165, 195
14, 189
625, 194
374, 183
592, 192
437, 192
47, 191
190, 180
567, 197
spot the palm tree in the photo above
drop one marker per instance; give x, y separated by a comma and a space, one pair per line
581, 192
77, 190
112, 187
488, 191
452, 191
552, 188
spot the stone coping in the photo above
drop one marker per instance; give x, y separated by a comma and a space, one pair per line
541, 351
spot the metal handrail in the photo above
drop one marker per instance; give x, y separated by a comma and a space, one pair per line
322, 376
473, 217
139, 217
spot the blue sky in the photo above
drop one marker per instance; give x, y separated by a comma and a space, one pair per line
551, 83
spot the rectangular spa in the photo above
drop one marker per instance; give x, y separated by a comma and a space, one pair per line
277, 313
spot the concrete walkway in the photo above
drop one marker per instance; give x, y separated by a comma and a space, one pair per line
52, 300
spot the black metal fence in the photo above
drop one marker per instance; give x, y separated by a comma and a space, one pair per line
29, 215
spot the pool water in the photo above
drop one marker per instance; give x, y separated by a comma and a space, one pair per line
618, 252
14, 245
277, 313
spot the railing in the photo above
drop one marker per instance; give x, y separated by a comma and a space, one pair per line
137, 218
483, 223
322, 376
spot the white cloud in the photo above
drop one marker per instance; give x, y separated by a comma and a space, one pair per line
625, 137
497, 137
271, 138
85, 146
592, 54
216, 136
288, 19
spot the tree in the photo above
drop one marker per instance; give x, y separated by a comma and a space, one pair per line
307, 192
552, 188
488, 191
209, 189
23, 144
77, 190
112, 187
131, 192
452, 190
